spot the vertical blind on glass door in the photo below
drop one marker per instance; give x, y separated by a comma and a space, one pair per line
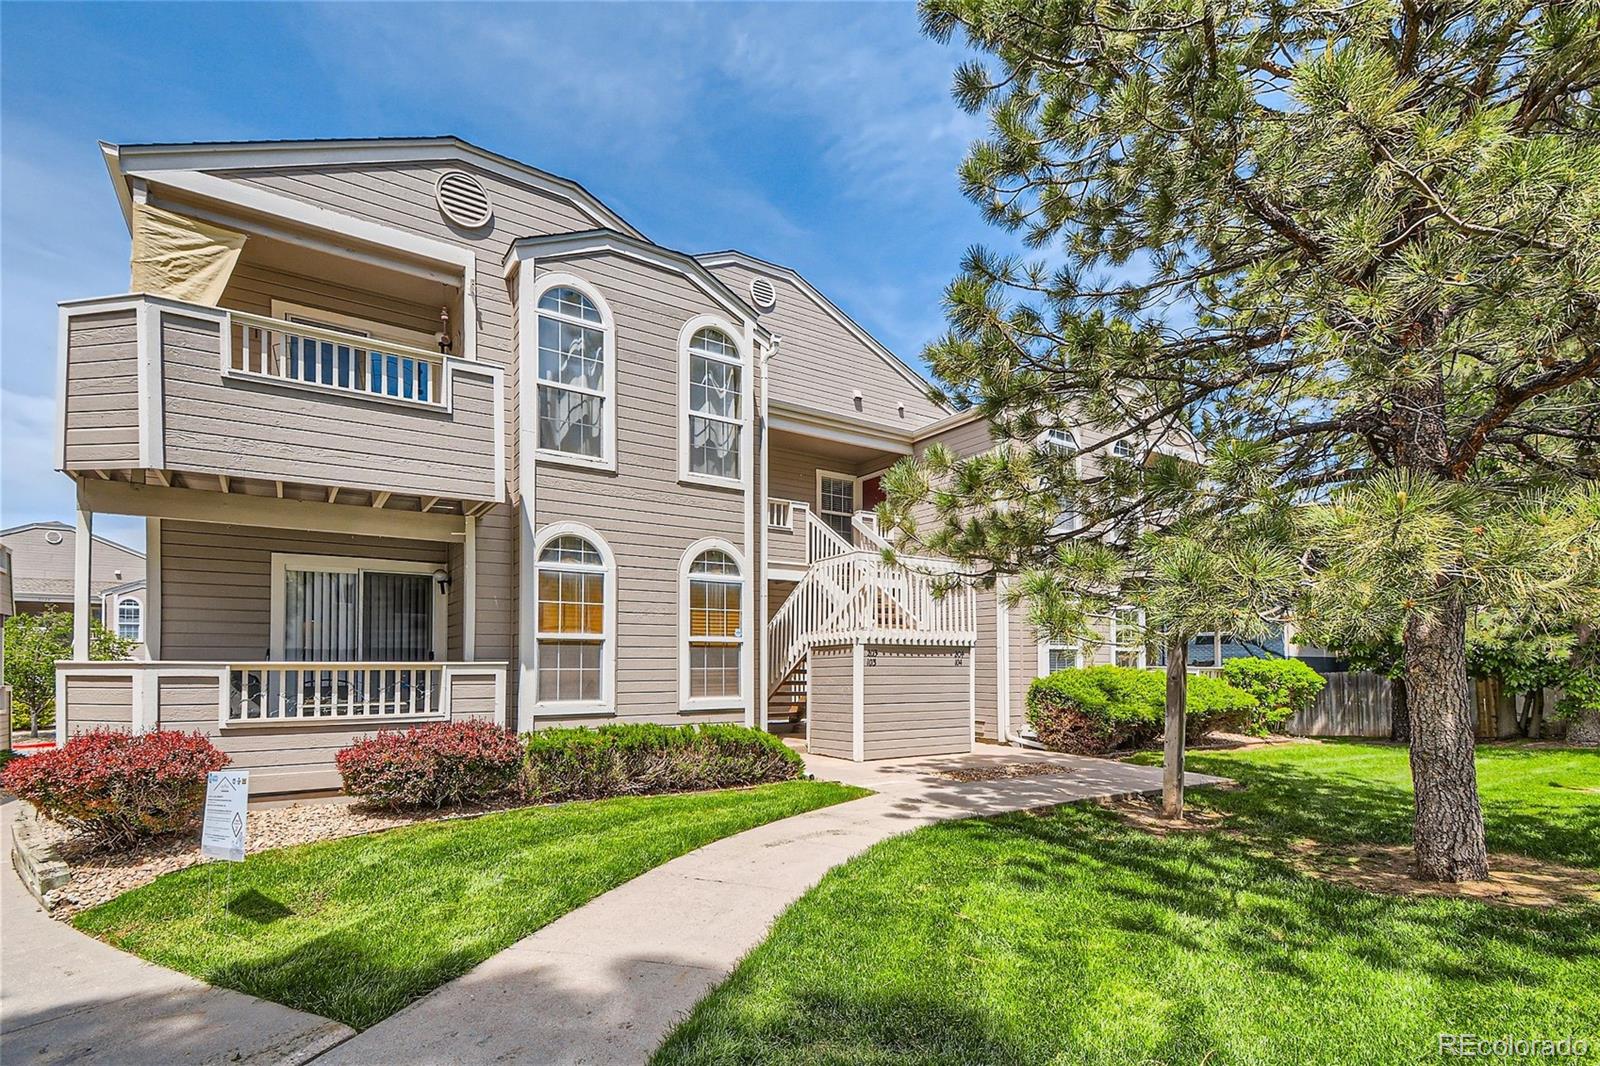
341, 616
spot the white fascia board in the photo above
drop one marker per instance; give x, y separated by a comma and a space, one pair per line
265, 155
832, 310
808, 421
564, 245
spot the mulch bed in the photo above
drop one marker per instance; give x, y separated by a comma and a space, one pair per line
99, 876
1005, 770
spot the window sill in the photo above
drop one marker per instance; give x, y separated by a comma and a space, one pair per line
700, 706
572, 710
543, 456
707, 481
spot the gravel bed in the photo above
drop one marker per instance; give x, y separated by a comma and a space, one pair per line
101, 876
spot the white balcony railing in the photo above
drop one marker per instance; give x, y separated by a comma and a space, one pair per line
344, 362
324, 691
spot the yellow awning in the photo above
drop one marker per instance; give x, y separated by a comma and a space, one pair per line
182, 258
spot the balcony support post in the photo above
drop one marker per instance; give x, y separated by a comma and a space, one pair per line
83, 554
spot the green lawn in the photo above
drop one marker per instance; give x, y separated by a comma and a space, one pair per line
1073, 938
355, 929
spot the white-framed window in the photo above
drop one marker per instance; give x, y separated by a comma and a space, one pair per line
573, 405
130, 619
1127, 637
1124, 449
711, 370
1053, 657
838, 497
712, 621
575, 619
333, 608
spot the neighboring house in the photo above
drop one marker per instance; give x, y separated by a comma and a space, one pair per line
421, 432
43, 555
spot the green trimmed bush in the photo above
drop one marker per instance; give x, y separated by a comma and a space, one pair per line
1097, 709
643, 759
1282, 687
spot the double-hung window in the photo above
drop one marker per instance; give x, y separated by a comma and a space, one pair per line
571, 621
836, 504
714, 415
130, 619
573, 403
1127, 627
1060, 657
715, 630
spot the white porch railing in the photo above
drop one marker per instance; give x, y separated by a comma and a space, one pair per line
346, 362
823, 541
856, 595
303, 691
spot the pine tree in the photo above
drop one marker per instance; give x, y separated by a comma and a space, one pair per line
1333, 241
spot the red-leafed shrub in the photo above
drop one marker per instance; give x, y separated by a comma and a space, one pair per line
443, 762
117, 787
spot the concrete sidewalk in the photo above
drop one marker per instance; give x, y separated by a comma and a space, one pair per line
607, 982
66, 997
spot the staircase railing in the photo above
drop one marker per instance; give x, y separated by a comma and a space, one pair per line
857, 595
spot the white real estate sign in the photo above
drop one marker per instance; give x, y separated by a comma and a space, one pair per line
222, 834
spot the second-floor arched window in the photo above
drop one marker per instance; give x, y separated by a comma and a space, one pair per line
574, 398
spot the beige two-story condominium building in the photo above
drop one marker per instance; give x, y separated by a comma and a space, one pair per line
421, 432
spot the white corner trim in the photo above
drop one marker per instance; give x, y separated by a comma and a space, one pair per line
742, 702
607, 703
469, 593
1002, 629
858, 702
151, 620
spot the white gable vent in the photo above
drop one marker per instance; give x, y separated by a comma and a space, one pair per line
762, 292
463, 199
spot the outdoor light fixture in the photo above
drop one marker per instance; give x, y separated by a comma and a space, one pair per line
442, 576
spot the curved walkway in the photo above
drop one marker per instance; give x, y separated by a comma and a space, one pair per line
606, 983
68, 998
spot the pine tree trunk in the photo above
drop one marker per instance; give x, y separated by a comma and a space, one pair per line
1400, 715
1448, 826
1177, 707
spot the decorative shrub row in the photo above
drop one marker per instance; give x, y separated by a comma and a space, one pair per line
1282, 687
470, 761
1097, 709
638, 760
117, 787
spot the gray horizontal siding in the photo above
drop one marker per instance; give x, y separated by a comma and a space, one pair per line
917, 702
472, 696
830, 701
102, 410
216, 582
99, 703
246, 428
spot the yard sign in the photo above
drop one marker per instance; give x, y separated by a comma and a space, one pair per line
222, 834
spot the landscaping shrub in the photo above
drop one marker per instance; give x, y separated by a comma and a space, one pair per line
433, 765
638, 760
1096, 709
117, 787
1281, 687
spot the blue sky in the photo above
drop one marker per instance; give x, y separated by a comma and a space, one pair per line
822, 136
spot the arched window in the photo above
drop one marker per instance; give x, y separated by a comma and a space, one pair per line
130, 619
572, 628
713, 627
1063, 441
1060, 439
1123, 449
713, 404
574, 380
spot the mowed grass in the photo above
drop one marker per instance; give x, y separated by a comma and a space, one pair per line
355, 929
1072, 937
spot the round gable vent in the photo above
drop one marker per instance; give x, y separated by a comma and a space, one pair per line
762, 292
463, 199
52, 537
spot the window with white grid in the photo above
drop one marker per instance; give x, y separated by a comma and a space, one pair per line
714, 634
572, 394
836, 504
713, 415
571, 621
1128, 636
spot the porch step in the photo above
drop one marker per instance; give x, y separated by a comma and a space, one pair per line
786, 703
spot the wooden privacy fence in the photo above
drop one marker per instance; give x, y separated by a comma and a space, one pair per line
1353, 704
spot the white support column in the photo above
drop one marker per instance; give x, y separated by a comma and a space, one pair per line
152, 587
469, 592
1002, 643
83, 553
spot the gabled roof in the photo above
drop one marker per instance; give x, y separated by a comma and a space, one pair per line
344, 151
66, 527
745, 259
608, 240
